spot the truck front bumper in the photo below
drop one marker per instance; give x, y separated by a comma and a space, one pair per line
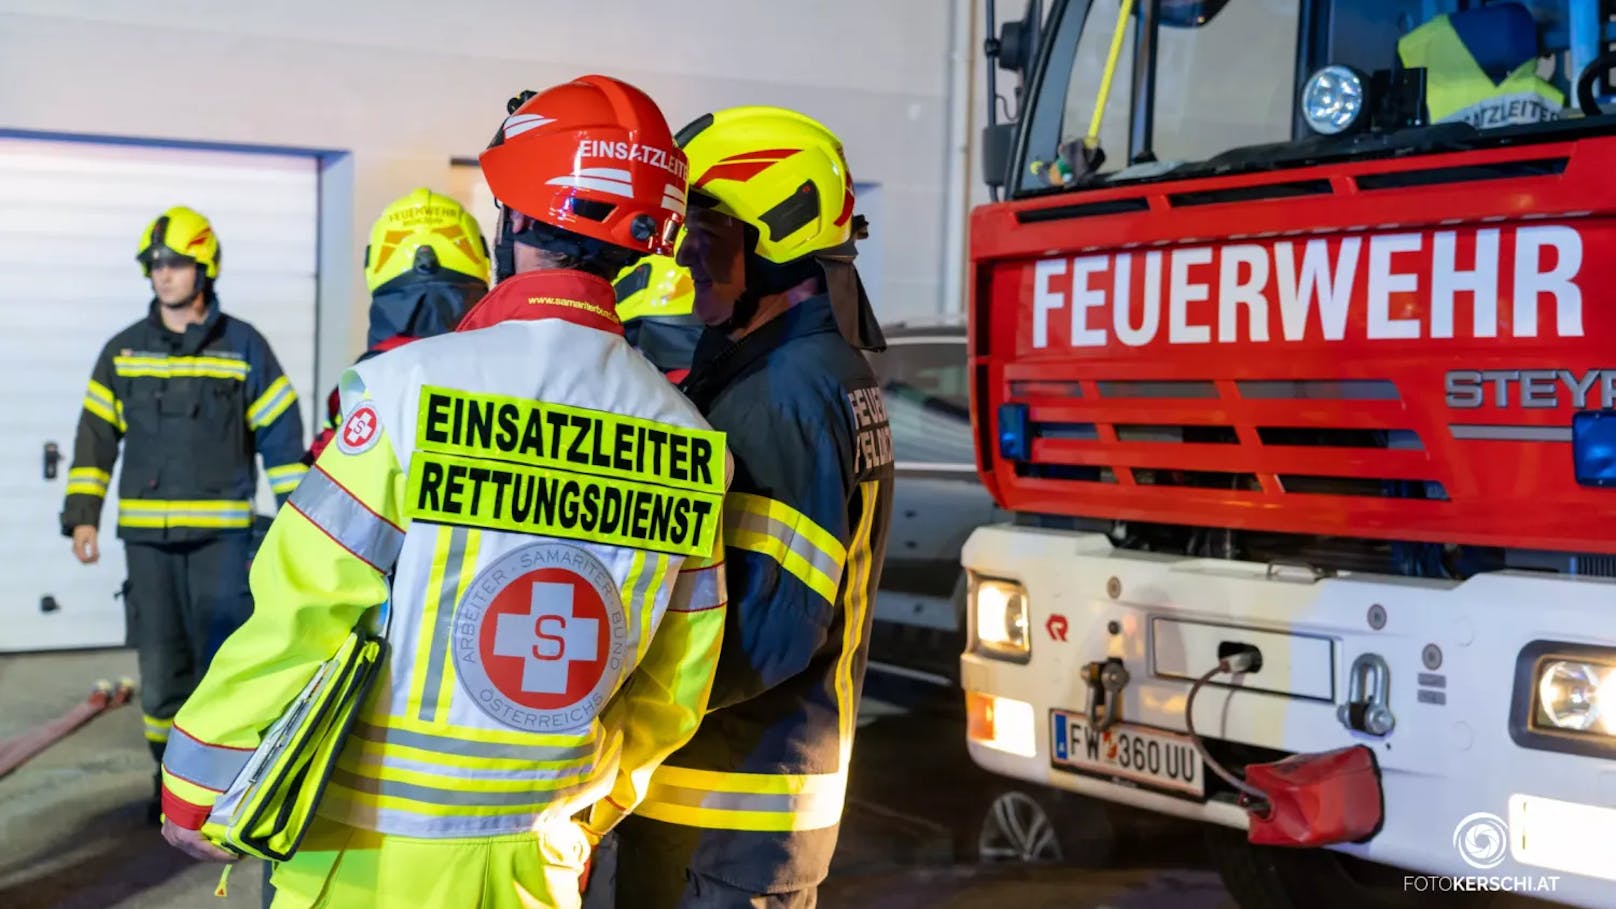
1473, 788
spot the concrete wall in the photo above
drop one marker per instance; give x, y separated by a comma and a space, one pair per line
402, 86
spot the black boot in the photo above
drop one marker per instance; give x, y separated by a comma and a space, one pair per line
154, 808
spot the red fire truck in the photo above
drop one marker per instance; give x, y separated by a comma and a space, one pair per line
1293, 357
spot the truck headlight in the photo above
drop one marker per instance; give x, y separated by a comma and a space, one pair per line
999, 617
1333, 100
1565, 699
1568, 696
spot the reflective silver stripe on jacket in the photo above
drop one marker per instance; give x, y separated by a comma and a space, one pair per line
809, 810
444, 618
741, 519
536, 796
448, 744
210, 766
347, 520
698, 590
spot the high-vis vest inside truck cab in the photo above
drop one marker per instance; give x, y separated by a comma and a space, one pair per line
1458, 85
549, 510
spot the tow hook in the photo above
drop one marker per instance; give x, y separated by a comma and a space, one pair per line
1106, 681
1368, 694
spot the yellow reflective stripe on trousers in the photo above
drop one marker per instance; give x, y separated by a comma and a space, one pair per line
160, 367
88, 481
271, 404
160, 513
782, 533
284, 479
774, 802
157, 728
99, 400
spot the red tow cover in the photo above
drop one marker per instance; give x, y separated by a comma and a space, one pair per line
1318, 799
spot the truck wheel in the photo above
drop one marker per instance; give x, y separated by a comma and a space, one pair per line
1271, 877
1034, 825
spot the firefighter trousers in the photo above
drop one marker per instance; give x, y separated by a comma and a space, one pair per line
653, 872
342, 867
183, 600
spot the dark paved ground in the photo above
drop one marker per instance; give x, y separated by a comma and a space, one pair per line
71, 833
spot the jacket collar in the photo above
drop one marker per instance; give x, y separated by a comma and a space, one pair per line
571, 296
197, 334
718, 361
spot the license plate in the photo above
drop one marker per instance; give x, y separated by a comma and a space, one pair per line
1149, 757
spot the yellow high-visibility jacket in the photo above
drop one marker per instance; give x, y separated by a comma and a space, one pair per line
1458, 89
542, 507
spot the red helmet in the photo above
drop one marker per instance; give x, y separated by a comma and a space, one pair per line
594, 157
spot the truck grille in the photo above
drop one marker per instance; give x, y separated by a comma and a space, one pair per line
1329, 456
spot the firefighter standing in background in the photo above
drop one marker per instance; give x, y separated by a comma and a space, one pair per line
654, 299
746, 814
426, 264
540, 509
193, 395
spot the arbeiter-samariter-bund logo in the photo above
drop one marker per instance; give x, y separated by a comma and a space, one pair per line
539, 638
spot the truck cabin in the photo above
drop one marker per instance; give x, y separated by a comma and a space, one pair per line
1272, 278
1144, 90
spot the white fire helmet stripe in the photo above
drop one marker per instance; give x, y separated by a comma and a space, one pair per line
615, 187
517, 124
607, 173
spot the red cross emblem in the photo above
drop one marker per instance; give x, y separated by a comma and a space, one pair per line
360, 431
545, 638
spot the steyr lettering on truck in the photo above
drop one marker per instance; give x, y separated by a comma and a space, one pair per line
1381, 287
518, 465
1533, 389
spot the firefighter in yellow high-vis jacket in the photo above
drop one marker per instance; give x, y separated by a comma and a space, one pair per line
540, 509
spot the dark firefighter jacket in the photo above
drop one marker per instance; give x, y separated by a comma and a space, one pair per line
191, 410
805, 534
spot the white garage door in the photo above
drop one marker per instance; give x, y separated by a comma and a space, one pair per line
71, 219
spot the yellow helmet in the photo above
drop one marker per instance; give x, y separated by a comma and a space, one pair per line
655, 287
424, 229
783, 173
180, 233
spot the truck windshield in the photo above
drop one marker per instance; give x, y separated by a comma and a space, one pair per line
1233, 82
